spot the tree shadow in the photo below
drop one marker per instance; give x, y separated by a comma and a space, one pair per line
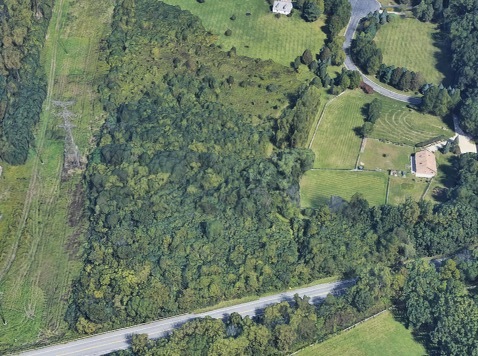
443, 57
419, 336
449, 173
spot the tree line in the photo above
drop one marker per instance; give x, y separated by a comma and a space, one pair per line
22, 79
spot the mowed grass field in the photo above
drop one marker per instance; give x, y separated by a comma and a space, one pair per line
402, 125
413, 44
381, 336
43, 229
317, 186
380, 155
260, 34
402, 188
336, 144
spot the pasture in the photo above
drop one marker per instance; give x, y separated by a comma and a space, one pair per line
382, 335
256, 32
380, 155
43, 229
416, 45
317, 186
336, 144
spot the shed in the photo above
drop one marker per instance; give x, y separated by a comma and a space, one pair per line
283, 7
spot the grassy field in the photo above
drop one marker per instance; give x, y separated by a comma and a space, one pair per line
402, 188
260, 34
414, 44
380, 155
318, 186
402, 125
42, 227
381, 336
336, 144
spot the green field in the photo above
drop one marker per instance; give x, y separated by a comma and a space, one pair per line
336, 144
413, 44
380, 155
317, 186
380, 336
259, 35
402, 188
402, 125
41, 230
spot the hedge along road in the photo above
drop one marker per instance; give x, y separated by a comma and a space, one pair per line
360, 9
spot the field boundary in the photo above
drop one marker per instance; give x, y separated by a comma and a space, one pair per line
320, 119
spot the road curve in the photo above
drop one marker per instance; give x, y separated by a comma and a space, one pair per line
360, 9
118, 339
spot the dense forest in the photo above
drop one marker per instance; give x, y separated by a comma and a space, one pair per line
22, 78
193, 194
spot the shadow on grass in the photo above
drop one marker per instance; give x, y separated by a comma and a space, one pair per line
419, 336
443, 57
449, 173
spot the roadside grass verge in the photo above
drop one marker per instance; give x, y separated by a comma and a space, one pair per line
385, 156
41, 210
382, 335
252, 298
415, 45
317, 186
336, 144
260, 34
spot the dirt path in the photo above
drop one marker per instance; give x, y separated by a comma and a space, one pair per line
40, 139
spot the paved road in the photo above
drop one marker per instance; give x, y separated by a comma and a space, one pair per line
360, 9
118, 340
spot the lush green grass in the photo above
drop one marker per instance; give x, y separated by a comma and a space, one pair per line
336, 144
380, 155
402, 125
413, 44
402, 188
259, 35
318, 186
381, 336
41, 231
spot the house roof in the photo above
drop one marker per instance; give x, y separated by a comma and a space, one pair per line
425, 163
282, 7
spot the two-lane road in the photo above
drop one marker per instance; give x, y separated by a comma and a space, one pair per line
118, 340
360, 9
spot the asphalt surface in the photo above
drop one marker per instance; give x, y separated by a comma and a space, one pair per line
360, 9
118, 340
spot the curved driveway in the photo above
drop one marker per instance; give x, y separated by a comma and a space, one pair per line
360, 9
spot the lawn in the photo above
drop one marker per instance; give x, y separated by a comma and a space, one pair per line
42, 227
336, 144
380, 155
260, 34
318, 186
402, 188
381, 336
413, 44
402, 125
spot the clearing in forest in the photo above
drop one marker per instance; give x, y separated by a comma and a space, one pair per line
42, 226
415, 45
255, 31
336, 144
317, 186
382, 335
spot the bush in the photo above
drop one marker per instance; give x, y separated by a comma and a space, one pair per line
228, 32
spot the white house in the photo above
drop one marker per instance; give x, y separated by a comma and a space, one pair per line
283, 7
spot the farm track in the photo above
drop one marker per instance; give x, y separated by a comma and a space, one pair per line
32, 191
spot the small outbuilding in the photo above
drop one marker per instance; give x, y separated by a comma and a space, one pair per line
424, 164
283, 7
